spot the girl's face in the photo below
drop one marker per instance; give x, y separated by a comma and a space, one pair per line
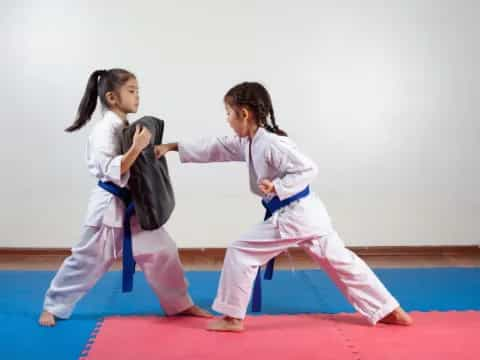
126, 99
239, 121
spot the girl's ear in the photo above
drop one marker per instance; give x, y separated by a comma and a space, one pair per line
111, 98
245, 114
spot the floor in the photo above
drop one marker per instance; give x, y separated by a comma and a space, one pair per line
212, 259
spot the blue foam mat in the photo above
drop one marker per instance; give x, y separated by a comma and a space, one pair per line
306, 291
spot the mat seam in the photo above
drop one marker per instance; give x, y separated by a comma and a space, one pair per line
347, 342
91, 340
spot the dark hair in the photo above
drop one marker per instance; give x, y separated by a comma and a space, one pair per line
256, 98
99, 83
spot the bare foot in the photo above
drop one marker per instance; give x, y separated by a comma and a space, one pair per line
46, 319
397, 317
226, 323
196, 312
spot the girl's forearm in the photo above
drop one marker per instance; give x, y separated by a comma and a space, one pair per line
128, 159
173, 146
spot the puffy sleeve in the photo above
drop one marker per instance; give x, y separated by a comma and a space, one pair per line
296, 171
104, 158
214, 149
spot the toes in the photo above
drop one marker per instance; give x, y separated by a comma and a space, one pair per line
225, 325
47, 320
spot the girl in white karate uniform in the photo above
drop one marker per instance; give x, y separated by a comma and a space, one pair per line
102, 233
278, 168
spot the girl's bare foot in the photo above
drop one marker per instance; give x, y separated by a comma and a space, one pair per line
46, 319
226, 323
196, 312
397, 317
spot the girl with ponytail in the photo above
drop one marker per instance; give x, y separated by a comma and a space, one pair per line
281, 175
102, 232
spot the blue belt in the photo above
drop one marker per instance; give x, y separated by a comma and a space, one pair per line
271, 207
128, 260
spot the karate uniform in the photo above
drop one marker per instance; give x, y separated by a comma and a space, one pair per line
304, 223
101, 241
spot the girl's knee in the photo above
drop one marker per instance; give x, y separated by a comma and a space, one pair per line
234, 254
166, 254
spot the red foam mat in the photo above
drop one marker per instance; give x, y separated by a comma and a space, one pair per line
435, 335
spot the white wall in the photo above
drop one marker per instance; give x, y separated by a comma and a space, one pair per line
382, 94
